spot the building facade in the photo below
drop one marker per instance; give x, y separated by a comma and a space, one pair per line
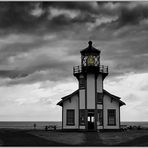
90, 108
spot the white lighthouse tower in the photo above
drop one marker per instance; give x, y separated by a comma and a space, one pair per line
90, 75
90, 107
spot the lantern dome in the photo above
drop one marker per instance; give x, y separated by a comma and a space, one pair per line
90, 50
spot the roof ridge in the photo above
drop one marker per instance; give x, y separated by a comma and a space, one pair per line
114, 97
76, 91
70, 94
111, 94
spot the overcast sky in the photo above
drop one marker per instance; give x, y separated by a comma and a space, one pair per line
40, 42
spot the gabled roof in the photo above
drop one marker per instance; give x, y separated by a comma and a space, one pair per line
104, 92
90, 49
114, 97
67, 97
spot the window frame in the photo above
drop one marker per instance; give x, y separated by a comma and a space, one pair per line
80, 123
67, 119
99, 95
100, 110
82, 83
111, 124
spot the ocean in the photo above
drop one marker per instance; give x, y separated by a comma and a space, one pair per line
143, 124
29, 124
42, 124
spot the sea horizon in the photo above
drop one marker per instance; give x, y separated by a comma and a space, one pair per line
58, 124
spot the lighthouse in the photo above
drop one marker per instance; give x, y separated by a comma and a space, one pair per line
90, 108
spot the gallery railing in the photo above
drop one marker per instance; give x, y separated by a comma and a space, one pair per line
100, 68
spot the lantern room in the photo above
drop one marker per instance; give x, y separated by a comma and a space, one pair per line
90, 56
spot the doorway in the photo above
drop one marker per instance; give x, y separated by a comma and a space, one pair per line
91, 119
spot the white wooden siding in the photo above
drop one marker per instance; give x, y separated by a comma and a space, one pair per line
73, 104
99, 83
110, 105
90, 91
82, 98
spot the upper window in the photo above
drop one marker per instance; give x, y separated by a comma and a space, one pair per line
111, 117
82, 83
82, 117
70, 117
99, 98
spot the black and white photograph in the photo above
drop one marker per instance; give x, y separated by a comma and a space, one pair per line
73, 73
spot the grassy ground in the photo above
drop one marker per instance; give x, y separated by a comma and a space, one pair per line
12, 137
126, 138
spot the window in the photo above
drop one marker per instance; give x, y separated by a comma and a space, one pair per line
82, 117
70, 117
100, 117
99, 98
111, 117
82, 83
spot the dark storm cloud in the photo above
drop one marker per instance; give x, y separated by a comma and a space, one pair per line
127, 54
82, 6
129, 64
44, 62
11, 74
122, 18
14, 49
133, 16
17, 16
39, 69
83, 18
40, 63
40, 76
63, 20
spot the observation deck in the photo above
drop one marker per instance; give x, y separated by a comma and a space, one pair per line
77, 70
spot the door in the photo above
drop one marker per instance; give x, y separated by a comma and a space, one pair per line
91, 120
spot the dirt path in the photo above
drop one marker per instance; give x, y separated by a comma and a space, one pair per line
93, 139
